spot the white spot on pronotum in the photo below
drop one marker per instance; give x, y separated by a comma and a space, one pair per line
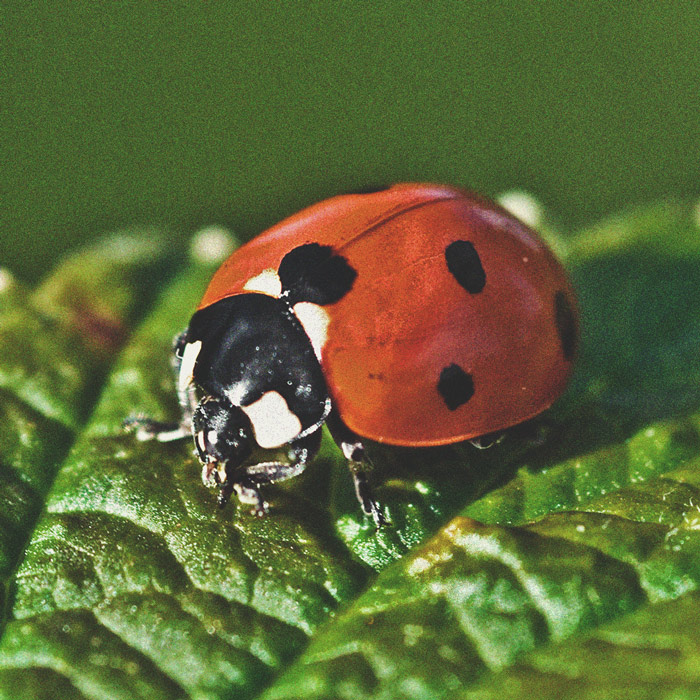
273, 423
315, 320
189, 357
523, 206
212, 244
267, 282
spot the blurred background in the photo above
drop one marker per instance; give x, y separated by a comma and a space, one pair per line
242, 112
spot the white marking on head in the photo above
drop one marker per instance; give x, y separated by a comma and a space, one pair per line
189, 357
315, 320
273, 423
267, 282
236, 393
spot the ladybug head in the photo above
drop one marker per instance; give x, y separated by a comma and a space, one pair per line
223, 436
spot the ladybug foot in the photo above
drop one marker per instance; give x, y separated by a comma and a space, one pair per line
249, 495
371, 507
247, 482
354, 451
364, 496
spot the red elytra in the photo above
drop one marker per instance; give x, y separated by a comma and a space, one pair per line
407, 317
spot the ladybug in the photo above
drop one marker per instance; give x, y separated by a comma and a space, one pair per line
416, 315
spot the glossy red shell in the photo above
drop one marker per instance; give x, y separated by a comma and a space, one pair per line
407, 318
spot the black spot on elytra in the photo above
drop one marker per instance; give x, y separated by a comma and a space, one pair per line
566, 324
314, 273
455, 386
465, 265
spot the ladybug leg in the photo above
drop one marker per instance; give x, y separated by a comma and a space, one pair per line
359, 465
363, 491
247, 492
247, 484
148, 429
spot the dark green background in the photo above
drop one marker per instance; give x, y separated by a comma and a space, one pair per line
188, 113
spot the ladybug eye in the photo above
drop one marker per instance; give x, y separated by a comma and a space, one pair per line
207, 443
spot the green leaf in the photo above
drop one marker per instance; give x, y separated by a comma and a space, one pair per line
484, 593
496, 568
651, 655
55, 345
132, 555
476, 597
